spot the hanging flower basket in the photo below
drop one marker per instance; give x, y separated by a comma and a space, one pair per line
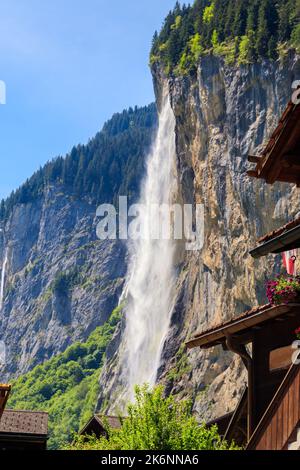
298, 332
284, 290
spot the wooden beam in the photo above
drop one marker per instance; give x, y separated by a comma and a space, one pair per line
240, 349
290, 165
252, 173
238, 326
254, 159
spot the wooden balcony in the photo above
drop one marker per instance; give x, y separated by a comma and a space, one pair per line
278, 427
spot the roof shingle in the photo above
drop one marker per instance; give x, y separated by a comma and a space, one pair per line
280, 230
24, 422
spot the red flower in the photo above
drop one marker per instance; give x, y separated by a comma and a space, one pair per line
283, 289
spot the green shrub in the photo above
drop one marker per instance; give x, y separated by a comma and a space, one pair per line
64, 281
208, 14
296, 38
157, 423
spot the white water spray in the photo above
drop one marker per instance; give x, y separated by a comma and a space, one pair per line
150, 285
3, 271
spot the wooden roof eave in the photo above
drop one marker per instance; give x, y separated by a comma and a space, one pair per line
269, 170
273, 165
240, 325
94, 418
279, 244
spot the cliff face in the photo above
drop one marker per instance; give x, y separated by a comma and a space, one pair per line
222, 115
60, 281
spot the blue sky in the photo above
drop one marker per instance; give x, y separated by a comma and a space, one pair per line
68, 66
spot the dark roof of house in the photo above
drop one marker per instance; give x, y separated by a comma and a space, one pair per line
113, 421
275, 233
24, 422
279, 161
285, 238
240, 325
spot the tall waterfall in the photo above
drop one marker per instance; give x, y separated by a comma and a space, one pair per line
3, 271
150, 283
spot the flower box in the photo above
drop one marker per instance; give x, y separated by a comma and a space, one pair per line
284, 290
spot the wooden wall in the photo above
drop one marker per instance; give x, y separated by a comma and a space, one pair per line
284, 419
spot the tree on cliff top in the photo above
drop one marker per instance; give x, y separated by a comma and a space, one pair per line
263, 25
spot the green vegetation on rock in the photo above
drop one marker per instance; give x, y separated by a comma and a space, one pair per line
67, 385
182, 365
64, 281
241, 31
159, 423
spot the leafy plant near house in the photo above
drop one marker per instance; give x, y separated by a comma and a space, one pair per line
242, 31
156, 422
297, 332
283, 289
67, 385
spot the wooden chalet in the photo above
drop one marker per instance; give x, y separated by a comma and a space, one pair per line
97, 425
280, 159
270, 332
21, 430
268, 414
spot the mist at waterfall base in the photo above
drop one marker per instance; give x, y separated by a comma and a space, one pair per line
151, 277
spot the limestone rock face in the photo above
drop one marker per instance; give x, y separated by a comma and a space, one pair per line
53, 237
222, 114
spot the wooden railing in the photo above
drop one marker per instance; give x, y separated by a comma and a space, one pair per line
281, 420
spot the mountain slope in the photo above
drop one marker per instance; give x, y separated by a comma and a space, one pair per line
61, 282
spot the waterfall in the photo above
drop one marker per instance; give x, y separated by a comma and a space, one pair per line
4, 264
151, 279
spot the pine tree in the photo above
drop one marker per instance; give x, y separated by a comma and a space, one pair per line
262, 31
272, 48
229, 20
240, 20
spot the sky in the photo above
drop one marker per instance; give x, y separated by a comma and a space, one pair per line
68, 65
